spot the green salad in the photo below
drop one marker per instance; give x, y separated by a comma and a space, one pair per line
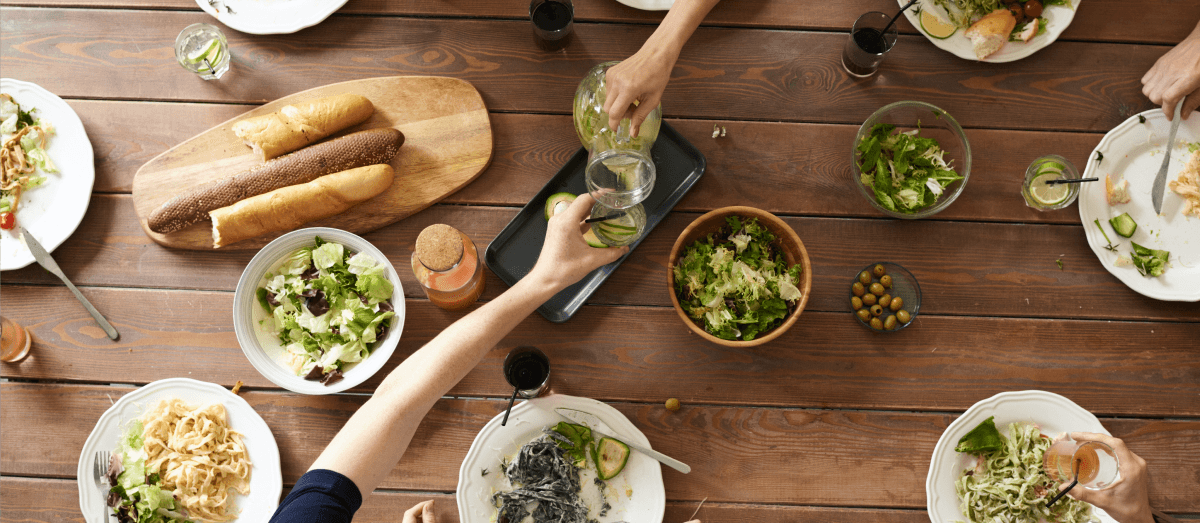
965, 12
735, 282
1010, 485
24, 137
906, 171
135, 495
328, 307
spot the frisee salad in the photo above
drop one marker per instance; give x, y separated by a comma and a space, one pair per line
906, 171
24, 152
328, 308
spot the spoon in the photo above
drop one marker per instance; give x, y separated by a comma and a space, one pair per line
1069, 487
510, 404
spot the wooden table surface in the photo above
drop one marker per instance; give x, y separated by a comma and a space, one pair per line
829, 423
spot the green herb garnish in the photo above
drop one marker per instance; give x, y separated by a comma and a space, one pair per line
1110, 245
906, 171
1149, 262
1060, 264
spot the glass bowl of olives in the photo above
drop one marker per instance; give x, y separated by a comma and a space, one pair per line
885, 297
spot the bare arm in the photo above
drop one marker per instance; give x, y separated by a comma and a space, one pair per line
644, 76
1176, 76
376, 436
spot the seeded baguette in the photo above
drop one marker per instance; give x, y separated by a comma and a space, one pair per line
353, 150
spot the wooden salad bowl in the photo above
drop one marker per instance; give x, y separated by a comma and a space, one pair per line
793, 252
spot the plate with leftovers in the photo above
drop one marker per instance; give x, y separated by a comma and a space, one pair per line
44, 146
318, 310
1009, 34
264, 17
154, 433
649, 5
1011, 478
536, 450
1157, 255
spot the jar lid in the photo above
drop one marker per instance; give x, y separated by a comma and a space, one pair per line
439, 247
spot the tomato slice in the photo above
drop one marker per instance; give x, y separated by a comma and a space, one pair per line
8, 220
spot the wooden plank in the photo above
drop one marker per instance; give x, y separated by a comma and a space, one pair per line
750, 74
826, 360
963, 267
1098, 20
820, 457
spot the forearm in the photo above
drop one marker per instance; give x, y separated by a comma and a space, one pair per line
679, 24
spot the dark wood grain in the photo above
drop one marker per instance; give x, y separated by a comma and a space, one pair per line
646, 354
816, 454
727, 73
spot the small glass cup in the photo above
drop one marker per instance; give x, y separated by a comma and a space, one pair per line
622, 230
1098, 463
202, 49
14, 341
868, 44
528, 370
1050, 167
553, 23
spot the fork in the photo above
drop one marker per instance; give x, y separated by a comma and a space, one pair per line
99, 470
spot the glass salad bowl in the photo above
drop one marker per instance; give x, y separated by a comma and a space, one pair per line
908, 197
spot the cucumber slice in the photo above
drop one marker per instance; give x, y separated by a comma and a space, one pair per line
1123, 225
611, 456
558, 202
591, 239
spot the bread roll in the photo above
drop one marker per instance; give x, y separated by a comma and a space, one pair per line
990, 33
299, 124
290, 207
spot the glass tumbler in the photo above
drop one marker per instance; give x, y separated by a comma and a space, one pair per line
867, 45
202, 49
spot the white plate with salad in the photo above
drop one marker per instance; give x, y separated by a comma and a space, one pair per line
53, 209
961, 13
1051, 413
1134, 151
266, 481
264, 17
636, 493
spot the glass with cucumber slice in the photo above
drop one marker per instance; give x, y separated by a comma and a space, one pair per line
559, 202
1045, 196
202, 49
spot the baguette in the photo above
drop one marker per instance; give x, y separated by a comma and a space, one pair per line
990, 33
299, 124
350, 151
290, 207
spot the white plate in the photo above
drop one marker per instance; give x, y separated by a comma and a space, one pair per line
642, 476
50, 212
265, 17
261, 347
1054, 414
266, 483
1057, 19
1135, 150
649, 5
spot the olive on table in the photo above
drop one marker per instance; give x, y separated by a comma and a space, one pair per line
876, 310
890, 322
864, 277
876, 324
876, 289
863, 314
856, 302
1033, 9
672, 404
902, 316
858, 289
885, 300
897, 304
870, 299
886, 281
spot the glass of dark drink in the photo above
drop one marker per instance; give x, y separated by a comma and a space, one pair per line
552, 23
528, 370
868, 43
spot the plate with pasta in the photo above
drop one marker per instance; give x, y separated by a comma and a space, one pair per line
184, 448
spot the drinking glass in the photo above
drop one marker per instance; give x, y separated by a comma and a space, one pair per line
1098, 463
868, 44
622, 230
552, 23
1051, 167
527, 369
619, 174
14, 341
202, 49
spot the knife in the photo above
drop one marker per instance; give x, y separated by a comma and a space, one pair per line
589, 420
43, 258
1160, 181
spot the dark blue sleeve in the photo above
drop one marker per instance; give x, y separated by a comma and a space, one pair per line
321, 496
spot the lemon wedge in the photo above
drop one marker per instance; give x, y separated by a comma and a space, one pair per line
1049, 194
936, 27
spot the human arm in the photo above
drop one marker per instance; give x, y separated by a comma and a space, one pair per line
1127, 500
1176, 75
644, 76
376, 436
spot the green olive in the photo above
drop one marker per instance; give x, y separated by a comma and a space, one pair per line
863, 314
897, 304
856, 302
885, 300
889, 323
879, 271
886, 281
858, 289
864, 278
876, 324
870, 299
876, 310
902, 316
877, 289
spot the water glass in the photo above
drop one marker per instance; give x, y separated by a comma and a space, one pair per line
868, 44
202, 49
552, 23
1044, 197
620, 174
624, 229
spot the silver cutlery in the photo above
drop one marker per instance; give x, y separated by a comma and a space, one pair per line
43, 258
99, 471
1160, 181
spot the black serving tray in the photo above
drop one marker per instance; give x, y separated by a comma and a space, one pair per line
678, 165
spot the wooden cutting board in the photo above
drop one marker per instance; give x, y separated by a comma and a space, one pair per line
447, 143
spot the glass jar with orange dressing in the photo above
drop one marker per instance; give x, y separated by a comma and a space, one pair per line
448, 266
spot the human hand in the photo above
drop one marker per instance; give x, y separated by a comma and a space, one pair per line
1128, 499
641, 78
1176, 75
566, 257
421, 513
